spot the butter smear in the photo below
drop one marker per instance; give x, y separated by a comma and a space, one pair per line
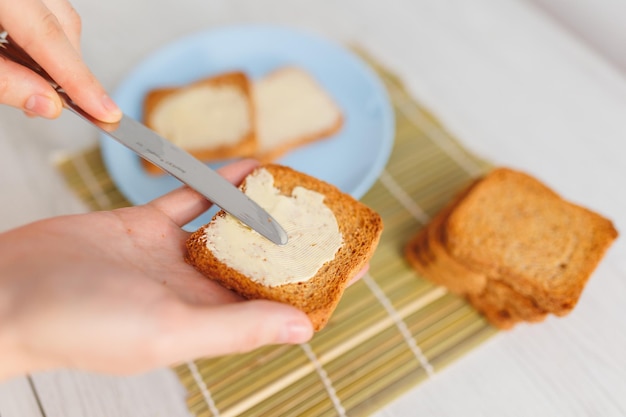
314, 235
203, 117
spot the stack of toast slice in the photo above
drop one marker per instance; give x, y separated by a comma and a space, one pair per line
513, 247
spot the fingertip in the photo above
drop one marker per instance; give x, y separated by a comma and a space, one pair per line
42, 105
238, 170
362, 272
112, 113
247, 325
184, 204
89, 95
283, 324
296, 331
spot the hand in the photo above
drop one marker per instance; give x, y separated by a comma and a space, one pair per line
110, 292
49, 30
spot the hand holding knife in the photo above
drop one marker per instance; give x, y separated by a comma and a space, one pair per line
165, 155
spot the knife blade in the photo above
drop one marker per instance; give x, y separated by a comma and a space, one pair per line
189, 170
163, 153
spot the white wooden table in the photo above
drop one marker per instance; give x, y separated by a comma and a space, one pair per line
510, 83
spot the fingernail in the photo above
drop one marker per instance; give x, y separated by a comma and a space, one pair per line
109, 105
41, 105
297, 332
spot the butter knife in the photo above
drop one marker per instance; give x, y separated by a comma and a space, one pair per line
163, 153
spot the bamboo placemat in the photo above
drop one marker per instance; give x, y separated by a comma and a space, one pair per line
391, 331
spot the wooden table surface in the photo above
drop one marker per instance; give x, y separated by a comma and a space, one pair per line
510, 83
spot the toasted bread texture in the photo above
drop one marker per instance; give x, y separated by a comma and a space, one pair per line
318, 296
293, 109
213, 118
513, 247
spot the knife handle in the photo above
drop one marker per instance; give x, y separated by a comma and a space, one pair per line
13, 52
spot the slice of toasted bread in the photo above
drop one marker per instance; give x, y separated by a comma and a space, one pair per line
497, 301
212, 118
293, 109
501, 305
360, 228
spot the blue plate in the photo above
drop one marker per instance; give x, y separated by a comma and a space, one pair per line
352, 159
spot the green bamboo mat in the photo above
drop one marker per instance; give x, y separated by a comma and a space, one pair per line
391, 331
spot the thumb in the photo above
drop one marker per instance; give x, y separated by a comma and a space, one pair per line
26, 90
235, 328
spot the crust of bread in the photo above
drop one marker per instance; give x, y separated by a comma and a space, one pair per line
247, 144
427, 254
279, 151
318, 297
504, 307
462, 248
276, 152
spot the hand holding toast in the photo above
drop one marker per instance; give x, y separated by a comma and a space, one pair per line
111, 292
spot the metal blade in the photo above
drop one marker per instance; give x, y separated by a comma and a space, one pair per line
192, 172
